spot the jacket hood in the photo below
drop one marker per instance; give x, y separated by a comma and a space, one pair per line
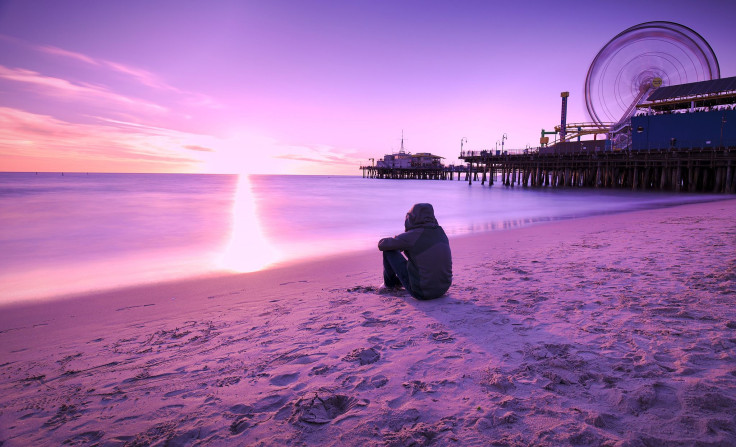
420, 215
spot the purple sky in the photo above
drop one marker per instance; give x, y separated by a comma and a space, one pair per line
310, 87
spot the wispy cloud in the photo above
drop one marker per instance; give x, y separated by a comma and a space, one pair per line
140, 75
194, 147
318, 155
66, 89
135, 74
24, 134
147, 128
143, 76
67, 54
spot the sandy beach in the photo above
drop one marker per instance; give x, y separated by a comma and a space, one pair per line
614, 330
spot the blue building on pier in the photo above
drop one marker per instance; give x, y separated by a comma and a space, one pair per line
696, 115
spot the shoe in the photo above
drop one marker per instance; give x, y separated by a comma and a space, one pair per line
384, 289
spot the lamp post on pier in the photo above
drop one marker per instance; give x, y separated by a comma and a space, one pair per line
503, 139
723, 122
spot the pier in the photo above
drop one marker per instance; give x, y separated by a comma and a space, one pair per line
707, 169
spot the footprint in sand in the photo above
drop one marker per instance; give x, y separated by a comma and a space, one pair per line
86, 438
175, 393
319, 370
323, 409
442, 337
603, 420
64, 414
269, 403
666, 403
306, 359
373, 322
363, 356
240, 424
227, 381
712, 402
284, 379
367, 383
379, 381
658, 399
420, 433
158, 433
402, 344
337, 327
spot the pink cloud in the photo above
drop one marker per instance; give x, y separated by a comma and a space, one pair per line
194, 147
140, 75
143, 76
33, 136
67, 54
144, 128
309, 159
63, 88
319, 155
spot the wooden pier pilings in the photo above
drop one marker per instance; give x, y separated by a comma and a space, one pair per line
689, 170
417, 173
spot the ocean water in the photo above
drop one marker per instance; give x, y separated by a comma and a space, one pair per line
72, 233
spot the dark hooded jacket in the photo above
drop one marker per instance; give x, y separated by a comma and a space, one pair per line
427, 249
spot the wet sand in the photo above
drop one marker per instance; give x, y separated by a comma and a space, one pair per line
615, 330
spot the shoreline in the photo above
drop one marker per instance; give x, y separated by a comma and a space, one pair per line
364, 264
282, 265
607, 330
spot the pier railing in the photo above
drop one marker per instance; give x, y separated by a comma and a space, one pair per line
490, 153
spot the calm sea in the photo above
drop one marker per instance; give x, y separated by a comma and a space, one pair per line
71, 233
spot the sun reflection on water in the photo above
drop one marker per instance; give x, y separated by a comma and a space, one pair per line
247, 249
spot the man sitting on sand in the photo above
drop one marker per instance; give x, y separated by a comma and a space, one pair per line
428, 272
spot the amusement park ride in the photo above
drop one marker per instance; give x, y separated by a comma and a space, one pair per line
627, 70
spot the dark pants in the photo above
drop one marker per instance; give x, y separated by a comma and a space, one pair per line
395, 273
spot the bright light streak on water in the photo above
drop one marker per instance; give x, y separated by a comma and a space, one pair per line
247, 249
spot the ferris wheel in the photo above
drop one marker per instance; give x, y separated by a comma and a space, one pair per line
637, 61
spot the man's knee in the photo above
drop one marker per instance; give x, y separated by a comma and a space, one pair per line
394, 257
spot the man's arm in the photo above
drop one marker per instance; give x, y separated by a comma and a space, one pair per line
401, 242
